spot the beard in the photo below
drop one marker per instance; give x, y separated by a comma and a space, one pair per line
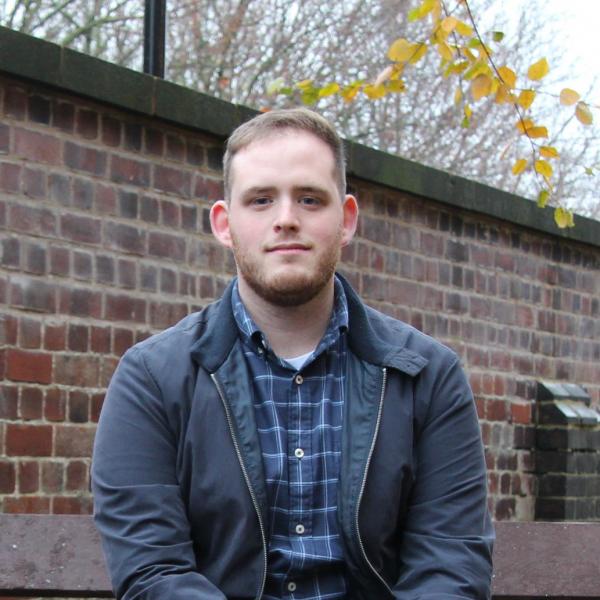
291, 288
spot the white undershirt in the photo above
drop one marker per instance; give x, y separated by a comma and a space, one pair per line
298, 361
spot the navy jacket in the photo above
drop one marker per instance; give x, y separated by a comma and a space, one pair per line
178, 482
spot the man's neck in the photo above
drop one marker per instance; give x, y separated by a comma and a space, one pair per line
290, 330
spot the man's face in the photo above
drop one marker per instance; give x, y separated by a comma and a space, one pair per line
285, 221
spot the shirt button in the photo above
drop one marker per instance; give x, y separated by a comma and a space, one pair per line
291, 586
299, 379
299, 529
299, 452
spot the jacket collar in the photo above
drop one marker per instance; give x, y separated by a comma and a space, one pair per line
381, 347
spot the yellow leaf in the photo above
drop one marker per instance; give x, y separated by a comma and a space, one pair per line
396, 86
544, 168
508, 76
419, 53
502, 95
524, 124
329, 90
549, 152
526, 98
449, 24
568, 97
445, 51
543, 197
305, 84
350, 91
563, 217
583, 113
401, 50
457, 95
538, 70
497, 36
464, 29
481, 86
537, 132
519, 166
374, 92
423, 10
479, 68
468, 112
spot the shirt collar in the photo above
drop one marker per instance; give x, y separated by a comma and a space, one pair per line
254, 337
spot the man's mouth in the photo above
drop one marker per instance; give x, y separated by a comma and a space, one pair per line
288, 248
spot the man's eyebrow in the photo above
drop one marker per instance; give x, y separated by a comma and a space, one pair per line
251, 191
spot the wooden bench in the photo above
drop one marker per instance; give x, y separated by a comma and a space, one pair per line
47, 555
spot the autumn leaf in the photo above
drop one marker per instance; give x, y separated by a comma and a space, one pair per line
544, 168
583, 113
502, 95
537, 132
464, 29
526, 98
419, 53
449, 24
350, 91
481, 86
549, 152
401, 50
524, 124
568, 97
445, 51
397, 86
497, 36
538, 70
563, 217
508, 76
519, 166
542, 198
329, 90
457, 95
374, 92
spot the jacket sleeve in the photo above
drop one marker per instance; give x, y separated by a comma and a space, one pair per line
138, 508
446, 549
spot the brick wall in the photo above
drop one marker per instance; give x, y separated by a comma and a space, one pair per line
105, 239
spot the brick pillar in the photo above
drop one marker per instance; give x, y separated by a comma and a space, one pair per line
568, 454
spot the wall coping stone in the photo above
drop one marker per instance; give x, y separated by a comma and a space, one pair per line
43, 62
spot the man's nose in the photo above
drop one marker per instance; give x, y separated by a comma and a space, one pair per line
287, 214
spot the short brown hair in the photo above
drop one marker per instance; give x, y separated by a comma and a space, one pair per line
267, 123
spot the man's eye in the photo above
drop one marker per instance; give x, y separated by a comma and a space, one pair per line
262, 201
310, 201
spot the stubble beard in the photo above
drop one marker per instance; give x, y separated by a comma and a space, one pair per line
290, 289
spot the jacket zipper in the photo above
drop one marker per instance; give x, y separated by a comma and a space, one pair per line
364, 481
252, 495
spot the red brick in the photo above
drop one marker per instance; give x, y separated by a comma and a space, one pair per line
37, 147
9, 327
72, 505
81, 229
77, 370
31, 220
63, 114
521, 413
35, 259
96, 406
29, 477
77, 476
173, 181
82, 266
126, 170
105, 200
26, 505
79, 405
30, 331
29, 366
175, 147
34, 183
9, 402
154, 141
74, 441
127, 273
208, 189
166, 246
123, 340
52, 476
170, 213
164, 314
125, 237
28, 440
100, 339
86, 123
54, 336
80, 302
7, 477
32, 401
108, 366
78, 338
495, 410
59, 261
125, 308
15, 102
85, 159
55, 404
39, 109
10, 176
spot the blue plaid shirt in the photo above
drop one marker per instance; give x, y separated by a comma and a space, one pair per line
299, 421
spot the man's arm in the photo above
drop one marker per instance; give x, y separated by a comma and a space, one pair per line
138, 506
448, 536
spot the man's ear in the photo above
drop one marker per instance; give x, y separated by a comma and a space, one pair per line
350, 208
219, 222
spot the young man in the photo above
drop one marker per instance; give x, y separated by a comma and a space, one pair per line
288, 441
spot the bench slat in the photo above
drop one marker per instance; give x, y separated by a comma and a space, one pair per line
60, 555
